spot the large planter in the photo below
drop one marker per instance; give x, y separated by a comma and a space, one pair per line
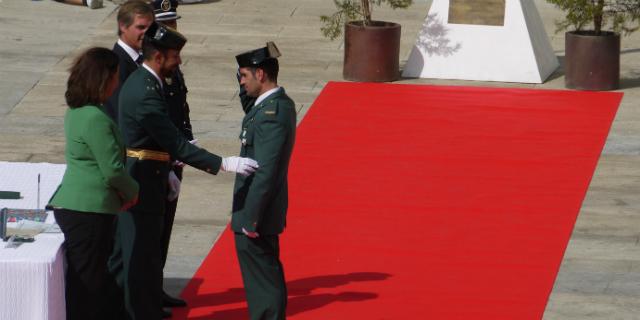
592, 62
372, 52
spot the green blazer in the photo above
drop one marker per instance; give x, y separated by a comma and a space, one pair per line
145, 124
95, 179
268, 133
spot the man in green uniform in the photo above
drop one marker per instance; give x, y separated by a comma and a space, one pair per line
260, 201
175, 93
152, 141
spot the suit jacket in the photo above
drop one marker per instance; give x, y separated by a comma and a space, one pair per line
95, 177
268, 133
127, 66
145, 124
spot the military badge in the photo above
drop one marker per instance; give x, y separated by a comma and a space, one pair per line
166, 5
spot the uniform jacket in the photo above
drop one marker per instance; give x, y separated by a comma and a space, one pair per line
95, 179
175, 93
268, 133
127, 66
145, 124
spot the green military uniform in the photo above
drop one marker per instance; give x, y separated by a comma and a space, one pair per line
175, 93
260, 201
145, 125
149, 136
268, 133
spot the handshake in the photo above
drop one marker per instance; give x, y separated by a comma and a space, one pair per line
243, 166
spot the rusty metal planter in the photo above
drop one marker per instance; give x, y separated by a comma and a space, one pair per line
371, 53
592, 62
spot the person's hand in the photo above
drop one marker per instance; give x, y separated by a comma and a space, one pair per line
174, 186
178, 163
251, 235
243, 166
125, 206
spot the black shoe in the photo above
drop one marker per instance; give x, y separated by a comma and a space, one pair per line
169, 301
166, 313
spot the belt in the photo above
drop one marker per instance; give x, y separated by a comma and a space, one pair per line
144, 154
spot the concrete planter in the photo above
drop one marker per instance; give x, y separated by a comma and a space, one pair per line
592, 62
371, 53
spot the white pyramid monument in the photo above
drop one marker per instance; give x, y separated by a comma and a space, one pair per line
517, 51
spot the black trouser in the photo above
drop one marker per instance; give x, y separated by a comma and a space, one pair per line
263, 276
136, 262
89, 287
169, 216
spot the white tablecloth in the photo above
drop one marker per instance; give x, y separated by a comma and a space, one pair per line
32, 275
32, 280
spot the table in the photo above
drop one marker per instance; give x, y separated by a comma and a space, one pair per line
32, 275
32, 279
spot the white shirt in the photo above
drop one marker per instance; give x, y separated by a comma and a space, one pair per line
144, 65
130, 51
265, 95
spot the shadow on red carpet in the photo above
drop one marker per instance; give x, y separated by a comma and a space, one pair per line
301, 297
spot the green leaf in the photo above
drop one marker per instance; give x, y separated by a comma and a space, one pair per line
350, 10
621, 16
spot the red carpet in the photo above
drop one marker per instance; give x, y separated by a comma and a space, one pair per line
425, 202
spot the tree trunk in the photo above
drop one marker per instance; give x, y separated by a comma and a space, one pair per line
597, 17
366, 12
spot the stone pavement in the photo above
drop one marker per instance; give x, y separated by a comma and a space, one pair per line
600, 274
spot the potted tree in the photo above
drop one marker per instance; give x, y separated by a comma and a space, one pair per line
371, 48
592, 55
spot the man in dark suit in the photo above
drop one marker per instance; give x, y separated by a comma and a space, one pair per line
175, 93
134, 18
260, 201
152, 141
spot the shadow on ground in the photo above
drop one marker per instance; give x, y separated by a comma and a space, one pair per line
301, 295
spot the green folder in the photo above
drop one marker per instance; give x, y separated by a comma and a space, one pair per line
9, 195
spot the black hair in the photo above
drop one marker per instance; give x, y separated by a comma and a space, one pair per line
270, 67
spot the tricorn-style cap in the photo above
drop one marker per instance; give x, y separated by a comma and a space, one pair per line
256, 57
165, 10
164, 37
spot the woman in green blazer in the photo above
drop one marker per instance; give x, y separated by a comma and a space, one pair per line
95, 185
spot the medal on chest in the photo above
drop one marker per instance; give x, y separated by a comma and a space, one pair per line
244, 137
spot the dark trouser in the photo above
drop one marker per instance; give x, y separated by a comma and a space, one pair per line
169, 216
136, 262
263, 276
89, 287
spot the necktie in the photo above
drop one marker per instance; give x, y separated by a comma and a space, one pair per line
139, 60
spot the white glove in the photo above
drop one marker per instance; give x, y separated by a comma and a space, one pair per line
177, 163
174, 186
251, 235
243, 166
